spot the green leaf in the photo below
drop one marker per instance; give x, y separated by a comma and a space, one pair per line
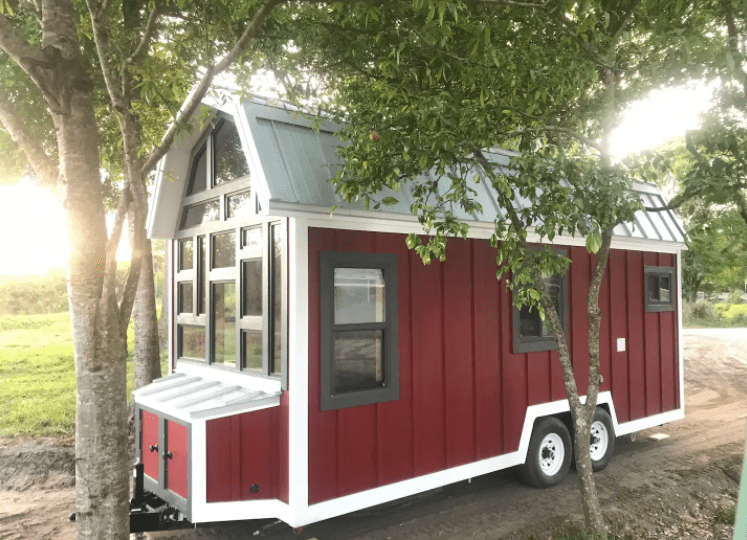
594, 242
389, 201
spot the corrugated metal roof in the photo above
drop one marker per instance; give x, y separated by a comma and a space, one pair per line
291, 164
189, 397
298, 161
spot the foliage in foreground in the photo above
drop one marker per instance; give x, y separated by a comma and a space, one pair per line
37, 375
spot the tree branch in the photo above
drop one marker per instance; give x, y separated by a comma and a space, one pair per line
99, 21
148, 33
199, 91
45, 167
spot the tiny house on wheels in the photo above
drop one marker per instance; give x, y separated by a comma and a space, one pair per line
317, 367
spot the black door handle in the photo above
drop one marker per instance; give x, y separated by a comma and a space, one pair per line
167, 455
154, 448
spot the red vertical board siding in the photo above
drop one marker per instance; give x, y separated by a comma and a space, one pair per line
148, 438
652, 351
538, 380
514, 378
604, 330
427, 344
176, 466
636, 356
219, 473
578, 293
489, 422
458, 361
395, 435
463, 394
284, 448
557, 386
322, 425
668, 330
619, 329
243, 450
258, 451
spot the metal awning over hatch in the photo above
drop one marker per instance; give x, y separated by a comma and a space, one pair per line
190, 397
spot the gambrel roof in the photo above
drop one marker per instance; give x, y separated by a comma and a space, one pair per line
291, 163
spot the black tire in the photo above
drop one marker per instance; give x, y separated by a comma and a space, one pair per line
602, 440
549, 455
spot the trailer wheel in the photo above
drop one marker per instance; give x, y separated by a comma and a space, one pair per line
549, 455
602, 440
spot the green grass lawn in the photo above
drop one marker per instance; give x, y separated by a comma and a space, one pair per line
37, 375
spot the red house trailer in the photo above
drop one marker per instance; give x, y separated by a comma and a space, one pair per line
318, 367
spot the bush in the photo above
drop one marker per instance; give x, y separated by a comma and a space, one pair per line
33, 295
735, 297
704, 314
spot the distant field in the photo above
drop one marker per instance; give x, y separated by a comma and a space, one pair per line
37, 375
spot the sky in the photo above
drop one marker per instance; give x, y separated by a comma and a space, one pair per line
33, 232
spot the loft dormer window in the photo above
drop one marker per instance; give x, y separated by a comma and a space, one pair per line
218, 160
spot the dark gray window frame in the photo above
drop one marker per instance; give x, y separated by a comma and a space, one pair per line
389, 391
202, 272
539, 343
654, 306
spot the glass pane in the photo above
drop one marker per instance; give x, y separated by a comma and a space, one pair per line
193, 341
251, 240
358, 360
185, 297
653, 287
359, 295
252, 349
224, 250
239, 205
230, 162
185, 255
253, 288
529, 322
198, 173
277, 296
224, 323
665, 289
200, 213
201, 266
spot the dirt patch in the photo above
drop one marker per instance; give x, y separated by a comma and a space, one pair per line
36, 463
683, 486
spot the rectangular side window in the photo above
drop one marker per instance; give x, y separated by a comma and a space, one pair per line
659, 288
359, 363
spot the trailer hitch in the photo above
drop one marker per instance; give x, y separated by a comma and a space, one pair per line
149, 512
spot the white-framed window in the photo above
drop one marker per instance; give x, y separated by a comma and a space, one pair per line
230, 273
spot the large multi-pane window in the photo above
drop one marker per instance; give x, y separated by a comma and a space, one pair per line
230, 264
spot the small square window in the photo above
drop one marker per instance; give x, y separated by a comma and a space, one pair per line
224, 250
359, 364
192, 342
659, 285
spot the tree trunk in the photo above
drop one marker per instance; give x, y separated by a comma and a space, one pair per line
163, 321
582, 420
101, 475
146, 350
582, 413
